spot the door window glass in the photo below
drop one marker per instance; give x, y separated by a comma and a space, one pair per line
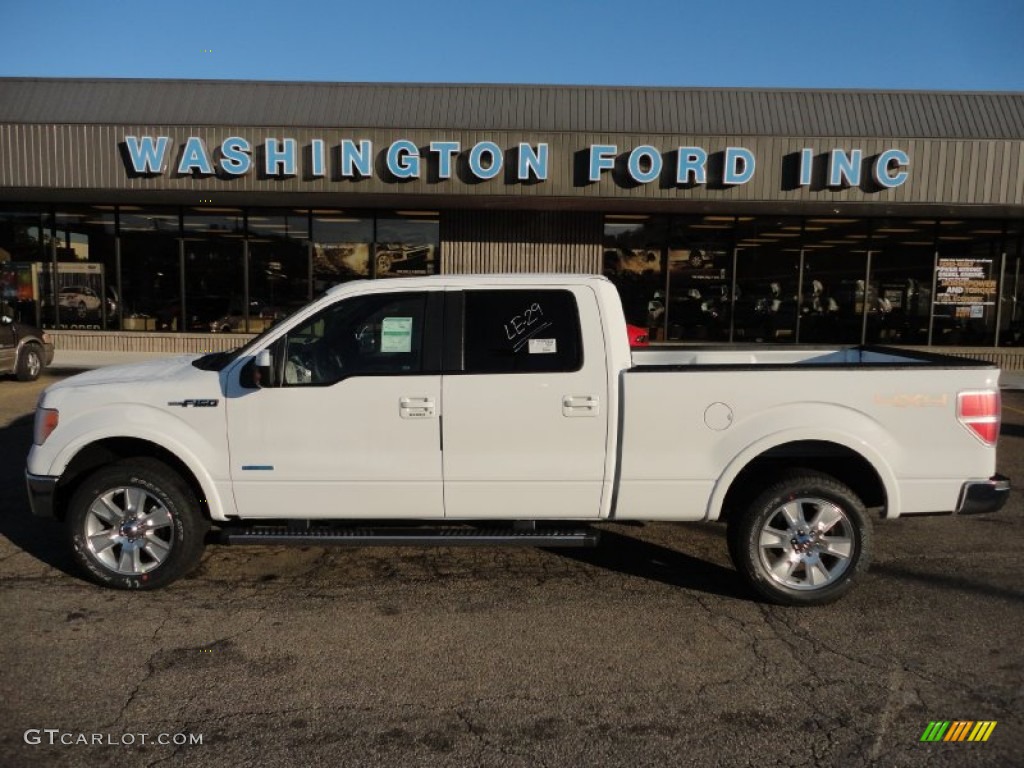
522, 331
366, 335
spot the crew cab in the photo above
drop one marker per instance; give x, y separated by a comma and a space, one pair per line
509, 410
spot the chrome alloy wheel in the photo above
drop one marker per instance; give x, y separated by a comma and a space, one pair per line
33, 364
806, 543
128, 530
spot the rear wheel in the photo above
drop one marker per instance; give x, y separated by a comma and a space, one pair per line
136, 525
804, 541
30, 363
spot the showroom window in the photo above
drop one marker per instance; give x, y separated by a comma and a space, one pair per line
215, 274
406, 244
278, 265
86, 262
341, 244
151, 276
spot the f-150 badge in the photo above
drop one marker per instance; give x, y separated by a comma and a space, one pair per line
196, 403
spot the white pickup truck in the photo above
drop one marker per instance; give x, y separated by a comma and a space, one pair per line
508, 410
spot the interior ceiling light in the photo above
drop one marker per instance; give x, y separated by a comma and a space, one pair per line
895, 230
833, 221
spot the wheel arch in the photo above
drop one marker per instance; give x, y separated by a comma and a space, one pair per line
105, 451
869, 476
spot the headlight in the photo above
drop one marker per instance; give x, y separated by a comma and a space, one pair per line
46, 422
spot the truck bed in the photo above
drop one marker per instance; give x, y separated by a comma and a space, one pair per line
854, 356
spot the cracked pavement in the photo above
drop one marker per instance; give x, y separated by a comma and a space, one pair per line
646, 651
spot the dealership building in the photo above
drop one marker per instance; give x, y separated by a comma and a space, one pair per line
174, 215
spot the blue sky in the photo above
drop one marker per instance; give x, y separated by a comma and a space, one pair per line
897, 44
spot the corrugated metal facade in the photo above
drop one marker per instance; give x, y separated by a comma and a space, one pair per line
475, 242
591, 109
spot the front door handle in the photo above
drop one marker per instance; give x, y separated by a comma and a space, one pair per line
416, 408
581, 405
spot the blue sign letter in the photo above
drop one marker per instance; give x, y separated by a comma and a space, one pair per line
144, 155
654, 164
404, 159
806, 166
476, 154
692, 160
843, 167
445, 151
235, 158
602, 158
316, 157
194, 157
881, 172
356, 162
734, 157
280, 162
533, 162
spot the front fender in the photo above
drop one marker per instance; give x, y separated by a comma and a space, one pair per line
858, 432
205, 456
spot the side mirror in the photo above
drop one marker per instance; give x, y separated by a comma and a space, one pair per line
261, 366
256, 373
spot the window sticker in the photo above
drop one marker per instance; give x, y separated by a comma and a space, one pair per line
396, 334
543, 346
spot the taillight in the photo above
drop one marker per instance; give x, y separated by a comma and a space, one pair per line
46, 422
980, 412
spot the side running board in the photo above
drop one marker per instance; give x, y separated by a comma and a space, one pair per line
417, 537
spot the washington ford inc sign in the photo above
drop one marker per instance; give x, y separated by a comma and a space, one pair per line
403, 160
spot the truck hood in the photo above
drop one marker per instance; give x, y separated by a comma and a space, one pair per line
161, 370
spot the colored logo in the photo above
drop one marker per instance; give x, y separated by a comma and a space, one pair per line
958, 730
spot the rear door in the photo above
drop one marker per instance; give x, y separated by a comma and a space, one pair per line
525, 417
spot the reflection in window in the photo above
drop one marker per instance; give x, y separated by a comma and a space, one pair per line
150, 268
406, 244
87, 297
767, 279
278, 266
214, 273
634, 261
341, 248
21, 254
700, 278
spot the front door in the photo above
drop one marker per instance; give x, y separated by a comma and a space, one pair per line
348, 425
526, 419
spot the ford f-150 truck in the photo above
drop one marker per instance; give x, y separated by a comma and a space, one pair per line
508, 410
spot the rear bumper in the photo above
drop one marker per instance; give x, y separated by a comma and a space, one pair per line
41, 492
979, 496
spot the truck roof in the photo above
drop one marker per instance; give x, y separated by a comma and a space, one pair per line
477, 280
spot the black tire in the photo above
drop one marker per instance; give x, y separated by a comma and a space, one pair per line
807, 567
30, 363
149, 531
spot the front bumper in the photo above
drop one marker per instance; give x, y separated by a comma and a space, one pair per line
41, 492
979, 496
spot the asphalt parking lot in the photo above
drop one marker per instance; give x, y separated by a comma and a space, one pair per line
646, 651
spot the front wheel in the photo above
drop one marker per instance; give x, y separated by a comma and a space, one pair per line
30, 363
804, 541
136, 525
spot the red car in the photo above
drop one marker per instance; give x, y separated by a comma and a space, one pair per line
638, 337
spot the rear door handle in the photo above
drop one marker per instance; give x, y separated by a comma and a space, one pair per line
416, 408
581, 405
